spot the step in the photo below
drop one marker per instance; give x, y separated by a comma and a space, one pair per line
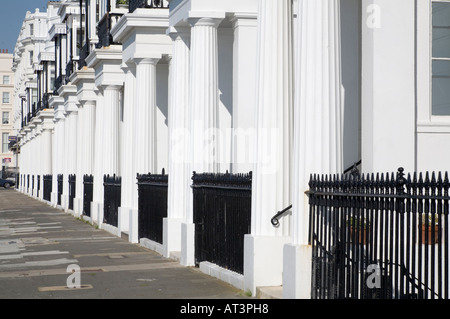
275, 292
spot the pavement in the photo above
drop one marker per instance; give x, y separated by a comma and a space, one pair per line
46, 253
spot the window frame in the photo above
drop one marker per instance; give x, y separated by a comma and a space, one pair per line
8, 101
5, 144
7, 118
433, 58
426, 121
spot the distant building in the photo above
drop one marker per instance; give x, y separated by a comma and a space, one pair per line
6, 112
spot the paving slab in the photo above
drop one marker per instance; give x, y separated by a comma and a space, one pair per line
46, 253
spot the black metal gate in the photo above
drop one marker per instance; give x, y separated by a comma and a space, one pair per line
88, 194
60, 178
72, 189
222, 217
152, 205
48, 180
112, 199
383, 237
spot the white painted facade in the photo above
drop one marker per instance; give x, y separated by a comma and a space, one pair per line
282, 88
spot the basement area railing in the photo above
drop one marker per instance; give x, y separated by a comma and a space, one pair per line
380, 236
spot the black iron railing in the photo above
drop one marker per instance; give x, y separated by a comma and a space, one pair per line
105, 39
383, 236
152, 205
150, 4
70, 68
84, 53
60, 178
45, 100
222, 217
112, 198
88, 194
59, 81
38, 185
48, 184
72, 190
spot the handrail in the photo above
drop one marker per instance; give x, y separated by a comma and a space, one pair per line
275, 219
353, 167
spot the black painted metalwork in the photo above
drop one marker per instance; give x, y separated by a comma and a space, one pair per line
60, 178
88, 194
222, 217
72, 190
38, 186
390, 228
112, 199
48, 184
149, 4
152, 205
104, 26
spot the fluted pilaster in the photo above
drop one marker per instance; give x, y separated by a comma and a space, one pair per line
271, 179
111, 108
318, 102
129, 187
179, 175
204, 94
145, 116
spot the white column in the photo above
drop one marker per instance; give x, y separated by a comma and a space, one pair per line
111, 108
271, 189
81, 160
58, 149
97, 201
127, 153
145, 122
47, 149
88, 142
318, 117
179, 175
244, 70
204, 97
70, 146
203, 104
144, 129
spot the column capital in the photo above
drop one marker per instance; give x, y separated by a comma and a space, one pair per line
204, 21
148, 60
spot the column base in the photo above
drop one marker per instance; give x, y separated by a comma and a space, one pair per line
53, 199
124, 220
65, 202
297, 263
77, 207
171, 236
97, 213
263, 261
133, 236
187, 257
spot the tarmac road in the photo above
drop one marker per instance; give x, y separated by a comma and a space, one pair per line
45, 251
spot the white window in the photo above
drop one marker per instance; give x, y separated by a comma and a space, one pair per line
6, 79
31, 29
5, 118
31, 57
440, 66
5, 143
5, 97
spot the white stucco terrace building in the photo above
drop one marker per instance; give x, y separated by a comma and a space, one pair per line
283, 88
